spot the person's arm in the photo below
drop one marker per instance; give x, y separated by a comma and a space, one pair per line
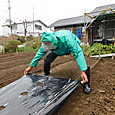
79, 56
41, 52
35, 60
78, 53
82, 63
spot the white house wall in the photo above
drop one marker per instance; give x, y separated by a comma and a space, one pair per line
6, 31
30, 28
20, 29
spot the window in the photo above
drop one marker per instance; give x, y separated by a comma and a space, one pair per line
38, 27
14, 27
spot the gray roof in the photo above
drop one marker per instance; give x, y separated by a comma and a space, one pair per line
68, 21
99, 9
37, 21
80, 19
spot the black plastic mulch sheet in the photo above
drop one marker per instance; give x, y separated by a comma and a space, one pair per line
35, 95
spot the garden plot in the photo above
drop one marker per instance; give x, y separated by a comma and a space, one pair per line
102, 98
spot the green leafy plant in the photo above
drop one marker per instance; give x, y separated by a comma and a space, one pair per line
94, 50
31, 46
21, 39
11, 46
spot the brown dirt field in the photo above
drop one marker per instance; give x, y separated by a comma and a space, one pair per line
101, 101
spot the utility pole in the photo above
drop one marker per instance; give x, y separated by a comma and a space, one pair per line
9, 8
33, 21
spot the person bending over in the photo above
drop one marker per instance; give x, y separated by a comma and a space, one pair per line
62, 42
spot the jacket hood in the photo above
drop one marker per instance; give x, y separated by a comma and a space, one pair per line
46, 36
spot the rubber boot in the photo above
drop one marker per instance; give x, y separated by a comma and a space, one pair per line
46, 73
86, 86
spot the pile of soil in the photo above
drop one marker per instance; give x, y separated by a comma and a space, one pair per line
101, 101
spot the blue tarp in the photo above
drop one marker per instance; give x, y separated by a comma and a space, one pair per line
33, 94
79, 33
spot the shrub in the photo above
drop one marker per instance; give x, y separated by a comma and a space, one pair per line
31, 38
94, 50
22, 37
31, 46
36, 44
26, 49
11, 46
22, 40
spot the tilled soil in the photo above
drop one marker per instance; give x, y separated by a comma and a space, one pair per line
101, 101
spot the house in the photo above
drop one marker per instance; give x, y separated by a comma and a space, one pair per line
73, 24
25, 28
103, 27
99, 25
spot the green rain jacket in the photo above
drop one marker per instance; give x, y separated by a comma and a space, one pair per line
65, 42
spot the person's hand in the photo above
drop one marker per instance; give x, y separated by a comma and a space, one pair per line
84, 76
28, 70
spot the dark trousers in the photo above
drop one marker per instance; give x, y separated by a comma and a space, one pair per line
48, 60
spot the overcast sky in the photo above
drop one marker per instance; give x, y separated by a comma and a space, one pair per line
48, 11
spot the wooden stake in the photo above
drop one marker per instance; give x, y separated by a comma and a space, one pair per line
113, 57
99, 55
